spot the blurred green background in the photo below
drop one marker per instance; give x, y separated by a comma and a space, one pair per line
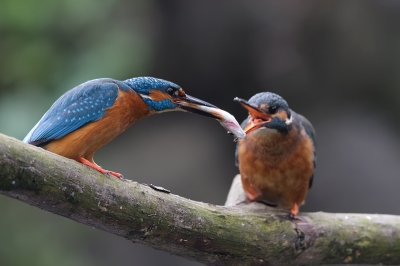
336, 62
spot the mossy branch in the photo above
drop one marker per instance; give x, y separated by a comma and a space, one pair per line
251, 234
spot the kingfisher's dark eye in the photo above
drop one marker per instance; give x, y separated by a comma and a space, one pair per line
170, 91
272, 109
173, 92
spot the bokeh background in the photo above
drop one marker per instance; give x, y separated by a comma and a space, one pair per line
336, 62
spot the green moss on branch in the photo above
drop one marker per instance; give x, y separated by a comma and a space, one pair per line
248, 235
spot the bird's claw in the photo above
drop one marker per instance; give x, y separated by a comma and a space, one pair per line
294, 217
293, 211
117, 175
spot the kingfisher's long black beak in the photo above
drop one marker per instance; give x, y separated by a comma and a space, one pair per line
258, 117
194, 105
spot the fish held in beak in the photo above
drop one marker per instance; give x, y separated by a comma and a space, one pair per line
227, 121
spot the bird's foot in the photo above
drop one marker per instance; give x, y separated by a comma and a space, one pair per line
294, 211
118, 175
98, 168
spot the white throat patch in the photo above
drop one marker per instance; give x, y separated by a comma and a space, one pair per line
289, 121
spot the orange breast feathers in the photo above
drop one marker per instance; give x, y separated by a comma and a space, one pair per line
276, 168
84, 142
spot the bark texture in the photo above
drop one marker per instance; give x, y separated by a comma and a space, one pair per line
246, 234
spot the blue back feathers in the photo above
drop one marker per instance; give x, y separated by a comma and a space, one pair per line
88, 102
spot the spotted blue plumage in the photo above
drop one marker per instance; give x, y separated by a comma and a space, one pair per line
79, 106
144, 85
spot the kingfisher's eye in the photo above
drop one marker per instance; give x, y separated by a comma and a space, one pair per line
272, 109
170, 91
173, 92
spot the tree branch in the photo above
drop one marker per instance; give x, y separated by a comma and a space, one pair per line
251, 234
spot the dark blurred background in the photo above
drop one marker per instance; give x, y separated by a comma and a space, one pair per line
336, 62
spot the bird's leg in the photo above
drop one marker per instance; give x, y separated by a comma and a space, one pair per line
98, 168
294, 211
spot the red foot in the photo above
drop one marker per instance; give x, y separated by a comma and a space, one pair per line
98, 168
294, 211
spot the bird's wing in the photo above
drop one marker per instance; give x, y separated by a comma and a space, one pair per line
311, 133
79, 106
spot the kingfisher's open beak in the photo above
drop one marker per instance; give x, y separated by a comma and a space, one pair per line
258, 118
197, 106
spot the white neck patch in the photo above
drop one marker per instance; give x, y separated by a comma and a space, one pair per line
289, 121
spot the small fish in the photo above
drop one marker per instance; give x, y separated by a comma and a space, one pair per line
226, 120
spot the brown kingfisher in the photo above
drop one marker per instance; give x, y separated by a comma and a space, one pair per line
277, 158
90, 115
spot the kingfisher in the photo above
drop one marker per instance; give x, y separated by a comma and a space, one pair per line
277, 158
90, 115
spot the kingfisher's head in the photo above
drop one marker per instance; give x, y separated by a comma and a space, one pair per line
269, 110
162, 96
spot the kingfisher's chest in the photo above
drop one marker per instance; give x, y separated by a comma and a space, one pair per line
276, 157
276, 169
127, 109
